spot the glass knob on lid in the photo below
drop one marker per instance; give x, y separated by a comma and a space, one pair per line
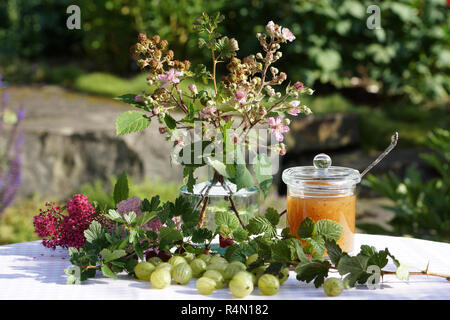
322, 161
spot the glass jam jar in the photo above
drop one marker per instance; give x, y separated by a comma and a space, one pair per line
320, 192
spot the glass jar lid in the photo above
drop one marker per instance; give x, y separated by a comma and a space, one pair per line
321, 175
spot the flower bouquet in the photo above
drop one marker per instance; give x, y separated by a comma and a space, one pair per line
224, 124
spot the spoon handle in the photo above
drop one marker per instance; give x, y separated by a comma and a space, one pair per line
394, 140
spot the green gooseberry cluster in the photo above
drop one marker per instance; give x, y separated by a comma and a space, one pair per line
213, 272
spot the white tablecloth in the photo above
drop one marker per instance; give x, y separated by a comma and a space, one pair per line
30, 271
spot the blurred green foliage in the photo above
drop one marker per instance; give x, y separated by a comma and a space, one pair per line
103, 194
422, 208
409, 56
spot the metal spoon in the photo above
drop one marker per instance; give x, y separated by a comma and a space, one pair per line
394, 140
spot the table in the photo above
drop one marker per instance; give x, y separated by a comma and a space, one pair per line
30, 271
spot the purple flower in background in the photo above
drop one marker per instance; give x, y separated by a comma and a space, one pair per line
11, 154
132, 204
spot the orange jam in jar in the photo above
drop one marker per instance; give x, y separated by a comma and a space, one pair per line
320, 192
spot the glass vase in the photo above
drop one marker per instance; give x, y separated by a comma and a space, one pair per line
218, 190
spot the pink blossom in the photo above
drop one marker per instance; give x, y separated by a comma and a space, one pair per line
162, 130
270, 27
286, 34
299, 85
294, 110
170, 77
278, 127
208, 111
282, 152
294, 103
240, 96
138, 98
193, 88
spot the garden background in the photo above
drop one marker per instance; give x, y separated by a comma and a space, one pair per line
368, 84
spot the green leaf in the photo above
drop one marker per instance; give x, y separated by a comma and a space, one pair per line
378, 258
354, 264
286, 232
131, 121
258, 225
151, 205
227, 218
234, 253
189, 172
219, 166
282, 251
355, 267
130, 217
94, 232
334, 251
114, 216
313, 270
299, 250
170, 122
307, 228
275, 269
240, 235
329, 229
243, 177
131, 263
201, 235
129, 99
263, 173
168, 235
108, 272
317, 243
273, 216
145, 217
396, 262
226, 48
121, 189
109, 255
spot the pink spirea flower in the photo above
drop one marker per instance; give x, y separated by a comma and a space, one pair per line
61, 230
240, 95
138, 98
278, 127
170, 77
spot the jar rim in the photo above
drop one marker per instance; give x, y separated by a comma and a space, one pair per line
313, 178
